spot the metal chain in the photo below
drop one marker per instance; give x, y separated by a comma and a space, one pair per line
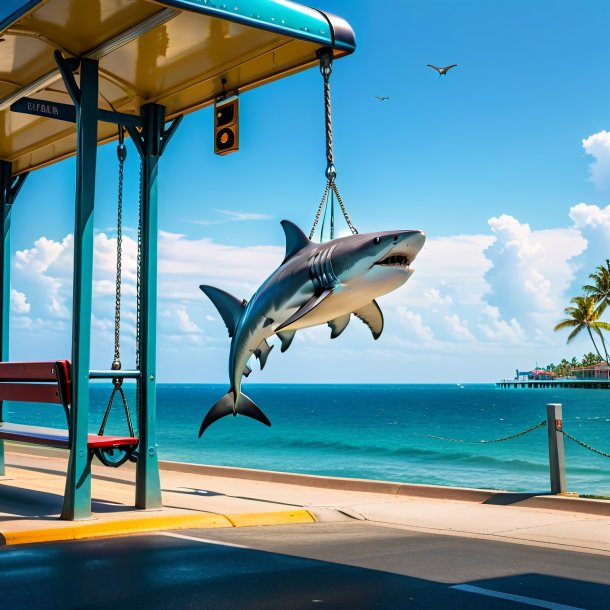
138, 297
585, 445
122, 155
495, 440
139, 270
351, 226
117, 388
326, 68
320, 207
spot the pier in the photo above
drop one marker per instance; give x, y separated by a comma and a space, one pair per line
583, 384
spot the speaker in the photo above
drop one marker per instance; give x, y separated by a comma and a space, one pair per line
226, 126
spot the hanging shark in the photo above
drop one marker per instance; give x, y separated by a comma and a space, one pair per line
315, 284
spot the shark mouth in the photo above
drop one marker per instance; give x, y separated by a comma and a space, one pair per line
396, 260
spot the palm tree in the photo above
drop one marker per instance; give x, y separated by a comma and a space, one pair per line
583, 315
600, 291
590, 359
600, 288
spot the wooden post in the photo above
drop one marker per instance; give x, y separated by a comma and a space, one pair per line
557, 462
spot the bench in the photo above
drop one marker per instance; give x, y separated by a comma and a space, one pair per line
49, 382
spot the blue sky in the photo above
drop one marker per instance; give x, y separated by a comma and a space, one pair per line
504, 162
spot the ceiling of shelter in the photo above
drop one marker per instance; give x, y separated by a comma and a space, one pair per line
147, 52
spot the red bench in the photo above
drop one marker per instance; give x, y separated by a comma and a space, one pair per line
47, 382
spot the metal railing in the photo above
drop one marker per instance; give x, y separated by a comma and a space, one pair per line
555, 433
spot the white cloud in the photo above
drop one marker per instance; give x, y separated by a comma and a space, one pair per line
497, 329
185, 324
593, 223
530, 270
458, 327
233, 216
434, 297
19, 302
414, 326
598, 146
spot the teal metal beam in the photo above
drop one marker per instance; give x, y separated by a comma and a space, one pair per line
9, 189
77, 498
148, 144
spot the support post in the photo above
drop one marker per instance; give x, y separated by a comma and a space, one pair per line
5, 259
148, 485
77, 498
9, 188
557, 463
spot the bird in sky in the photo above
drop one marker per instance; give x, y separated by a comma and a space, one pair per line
381, 99
442, 71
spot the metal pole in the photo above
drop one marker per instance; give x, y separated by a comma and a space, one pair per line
556, 454
5, 293
9, 189
148, 485
77, 498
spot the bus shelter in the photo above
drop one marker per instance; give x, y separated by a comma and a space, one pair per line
70, 72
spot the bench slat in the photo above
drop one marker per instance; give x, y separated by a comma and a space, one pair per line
54, 437
30, 371
30, 392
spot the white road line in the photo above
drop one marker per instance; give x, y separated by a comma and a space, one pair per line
531, 601
204, 540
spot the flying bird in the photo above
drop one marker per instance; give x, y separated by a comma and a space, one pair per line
442, 71
381, 99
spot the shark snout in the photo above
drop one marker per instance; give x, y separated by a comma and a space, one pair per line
408, 244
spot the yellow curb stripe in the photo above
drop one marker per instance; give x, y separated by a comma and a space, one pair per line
115, 528
82, 530
274, 518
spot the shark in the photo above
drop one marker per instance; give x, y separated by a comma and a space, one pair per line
316, 283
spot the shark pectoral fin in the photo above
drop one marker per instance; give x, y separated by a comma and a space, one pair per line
262, 353
305, 309
338, 325
371, 315
230, 308
223, 407
247, 371
296, 240
247, 407
286, 338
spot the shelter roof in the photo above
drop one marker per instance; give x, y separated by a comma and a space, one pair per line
171, 52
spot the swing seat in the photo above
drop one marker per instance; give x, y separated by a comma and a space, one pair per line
47, 382
55, 437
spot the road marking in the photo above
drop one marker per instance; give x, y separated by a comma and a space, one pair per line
204, 540
531, 601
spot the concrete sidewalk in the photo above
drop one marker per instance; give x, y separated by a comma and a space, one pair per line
210, 496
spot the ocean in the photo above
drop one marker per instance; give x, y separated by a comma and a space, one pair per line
386, 432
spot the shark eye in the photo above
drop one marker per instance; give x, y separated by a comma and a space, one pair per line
377, 240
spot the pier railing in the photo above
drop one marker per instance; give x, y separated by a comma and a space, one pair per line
556, 434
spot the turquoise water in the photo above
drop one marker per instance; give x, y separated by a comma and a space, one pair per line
380, 432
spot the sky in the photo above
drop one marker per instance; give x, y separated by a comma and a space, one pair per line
504, 163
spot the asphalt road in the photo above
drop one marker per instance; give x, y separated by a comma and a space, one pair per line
344, 565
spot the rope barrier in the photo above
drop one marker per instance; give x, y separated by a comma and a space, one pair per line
582, 444
494, 440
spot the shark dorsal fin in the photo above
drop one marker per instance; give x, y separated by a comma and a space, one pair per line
229, 307
296, 240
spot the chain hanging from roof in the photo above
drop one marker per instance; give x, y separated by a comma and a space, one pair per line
326, 67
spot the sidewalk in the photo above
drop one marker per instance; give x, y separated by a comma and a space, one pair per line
210, 496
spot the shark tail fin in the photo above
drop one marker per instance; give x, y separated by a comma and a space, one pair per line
225, 406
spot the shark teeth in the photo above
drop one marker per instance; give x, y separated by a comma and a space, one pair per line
394, 261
